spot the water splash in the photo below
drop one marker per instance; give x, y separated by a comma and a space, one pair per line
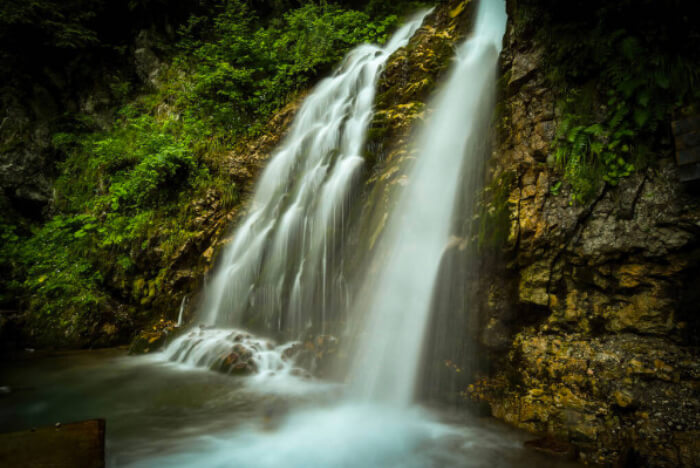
398, 298
231, 351
350, 436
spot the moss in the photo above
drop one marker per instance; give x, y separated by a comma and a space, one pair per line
494, 215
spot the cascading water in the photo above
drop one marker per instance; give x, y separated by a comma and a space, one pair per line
381, 429
398, 299
282, 268
282, 257
181, 312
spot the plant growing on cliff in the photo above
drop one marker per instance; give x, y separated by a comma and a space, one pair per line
621, 72
129, 198
258, 68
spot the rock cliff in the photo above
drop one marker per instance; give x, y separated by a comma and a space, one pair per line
589, 309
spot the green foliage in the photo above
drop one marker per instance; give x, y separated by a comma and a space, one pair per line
57, 279
623, 71
494, 212
119, 190
243, 72
9, 243
124, 197
63, 24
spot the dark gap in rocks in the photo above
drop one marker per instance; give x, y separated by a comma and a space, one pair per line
597, 325
31, 209
633, 459
530, 315
689, 298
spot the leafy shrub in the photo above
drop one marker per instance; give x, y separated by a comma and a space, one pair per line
243, 72
123, 197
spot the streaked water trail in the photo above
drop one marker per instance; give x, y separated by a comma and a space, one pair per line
397, 306
283, 263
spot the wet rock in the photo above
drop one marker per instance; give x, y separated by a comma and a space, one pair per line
315, 354
154, 338
148, 65
601, 394
552, 446
238, 361
242, 368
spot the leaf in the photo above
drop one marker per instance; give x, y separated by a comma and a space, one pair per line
573, 133
641, 117
595, 129
643, 98
630, 48
662, 79
629, 86
597, 147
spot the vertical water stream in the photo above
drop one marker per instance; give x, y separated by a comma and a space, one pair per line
397, 300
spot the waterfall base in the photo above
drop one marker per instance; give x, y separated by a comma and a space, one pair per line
272, 368
161, 413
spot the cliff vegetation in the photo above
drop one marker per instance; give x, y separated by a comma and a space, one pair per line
134, 175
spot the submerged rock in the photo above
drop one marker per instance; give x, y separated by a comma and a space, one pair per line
316, 354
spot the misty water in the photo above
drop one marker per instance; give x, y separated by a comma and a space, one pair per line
163, 414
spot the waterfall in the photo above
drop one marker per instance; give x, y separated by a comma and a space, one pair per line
282, 270
282, 265
283, 258
397, 300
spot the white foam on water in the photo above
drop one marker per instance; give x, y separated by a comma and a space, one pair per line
268, 368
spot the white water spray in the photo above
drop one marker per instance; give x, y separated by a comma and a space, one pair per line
398, 299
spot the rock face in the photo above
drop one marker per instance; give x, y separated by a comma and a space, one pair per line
155, 338
589, 310
25, 141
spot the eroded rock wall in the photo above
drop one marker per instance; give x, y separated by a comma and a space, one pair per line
589, 310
